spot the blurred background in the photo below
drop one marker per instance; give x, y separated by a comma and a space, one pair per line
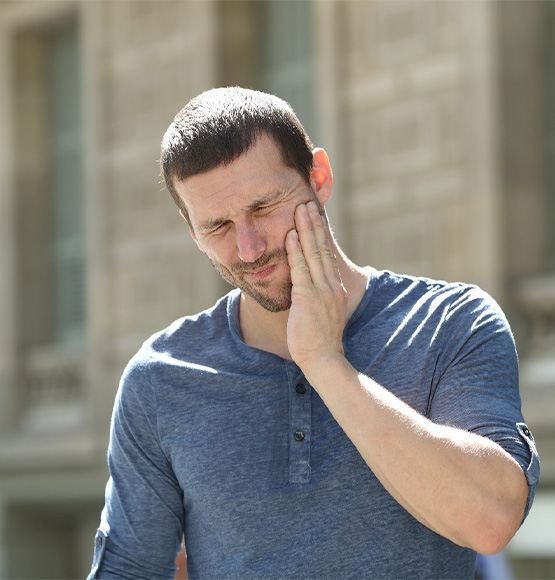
439, 118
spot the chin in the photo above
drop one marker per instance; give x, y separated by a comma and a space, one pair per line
280, 303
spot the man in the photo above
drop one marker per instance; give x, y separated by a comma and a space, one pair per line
322, 420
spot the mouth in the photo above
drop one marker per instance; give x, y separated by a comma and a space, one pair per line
261, 270
261, 273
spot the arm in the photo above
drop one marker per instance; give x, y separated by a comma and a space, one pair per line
463, 486
142, 521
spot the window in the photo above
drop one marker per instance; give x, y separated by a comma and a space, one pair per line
50, 226
287, 56
49, 184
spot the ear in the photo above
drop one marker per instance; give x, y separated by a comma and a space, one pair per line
191, 231
321, 177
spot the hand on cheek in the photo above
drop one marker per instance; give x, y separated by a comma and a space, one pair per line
318, 297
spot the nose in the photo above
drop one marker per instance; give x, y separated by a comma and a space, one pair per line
250, 244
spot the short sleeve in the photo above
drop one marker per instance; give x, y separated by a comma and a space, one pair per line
477, 386
142, 521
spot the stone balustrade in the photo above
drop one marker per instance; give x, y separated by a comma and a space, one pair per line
53, 394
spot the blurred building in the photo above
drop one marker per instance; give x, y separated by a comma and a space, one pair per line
439, 118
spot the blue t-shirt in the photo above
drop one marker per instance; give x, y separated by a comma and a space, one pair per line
231, 446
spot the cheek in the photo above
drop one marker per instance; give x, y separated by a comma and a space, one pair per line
218, 250
280, 223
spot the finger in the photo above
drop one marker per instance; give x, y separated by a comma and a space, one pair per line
323, 238
317, 224
326, 261
309, 244
300, 273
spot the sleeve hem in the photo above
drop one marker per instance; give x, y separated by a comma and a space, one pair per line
532, 470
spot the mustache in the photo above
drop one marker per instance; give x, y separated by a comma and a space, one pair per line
242, 267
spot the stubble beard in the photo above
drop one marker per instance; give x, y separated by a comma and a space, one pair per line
272, 302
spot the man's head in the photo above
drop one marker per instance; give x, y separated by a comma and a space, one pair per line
238, 163
219, 125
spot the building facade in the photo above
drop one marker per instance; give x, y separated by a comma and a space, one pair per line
439, 119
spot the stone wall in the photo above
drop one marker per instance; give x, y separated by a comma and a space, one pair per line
153, 59
411, 137
435, 142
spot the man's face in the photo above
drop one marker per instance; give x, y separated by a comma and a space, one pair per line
239, 216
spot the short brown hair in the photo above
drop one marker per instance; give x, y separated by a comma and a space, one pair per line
219, 125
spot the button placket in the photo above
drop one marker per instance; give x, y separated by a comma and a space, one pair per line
300, 432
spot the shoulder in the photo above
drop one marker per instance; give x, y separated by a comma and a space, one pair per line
190, 334
420, 305
186, 340
403, 289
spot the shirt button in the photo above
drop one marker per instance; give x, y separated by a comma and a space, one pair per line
299, 435
300, 388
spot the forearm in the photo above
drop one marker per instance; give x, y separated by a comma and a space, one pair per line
463, 486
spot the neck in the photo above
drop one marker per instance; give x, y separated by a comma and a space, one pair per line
268, 330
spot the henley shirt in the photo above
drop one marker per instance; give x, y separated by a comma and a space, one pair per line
231, 447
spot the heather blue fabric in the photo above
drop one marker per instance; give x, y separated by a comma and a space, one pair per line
231, 446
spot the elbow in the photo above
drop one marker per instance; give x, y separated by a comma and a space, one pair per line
493, 543
491, 536
486, 534
497, 527
501, 516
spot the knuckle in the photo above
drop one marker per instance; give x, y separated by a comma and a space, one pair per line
327, 253
315, 254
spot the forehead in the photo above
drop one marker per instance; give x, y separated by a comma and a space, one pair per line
259, 171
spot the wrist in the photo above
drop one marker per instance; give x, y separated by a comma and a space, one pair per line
319, 371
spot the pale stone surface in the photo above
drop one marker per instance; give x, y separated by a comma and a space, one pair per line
432, 114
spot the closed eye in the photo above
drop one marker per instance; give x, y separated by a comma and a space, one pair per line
216, 228
266, 203
264, 208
